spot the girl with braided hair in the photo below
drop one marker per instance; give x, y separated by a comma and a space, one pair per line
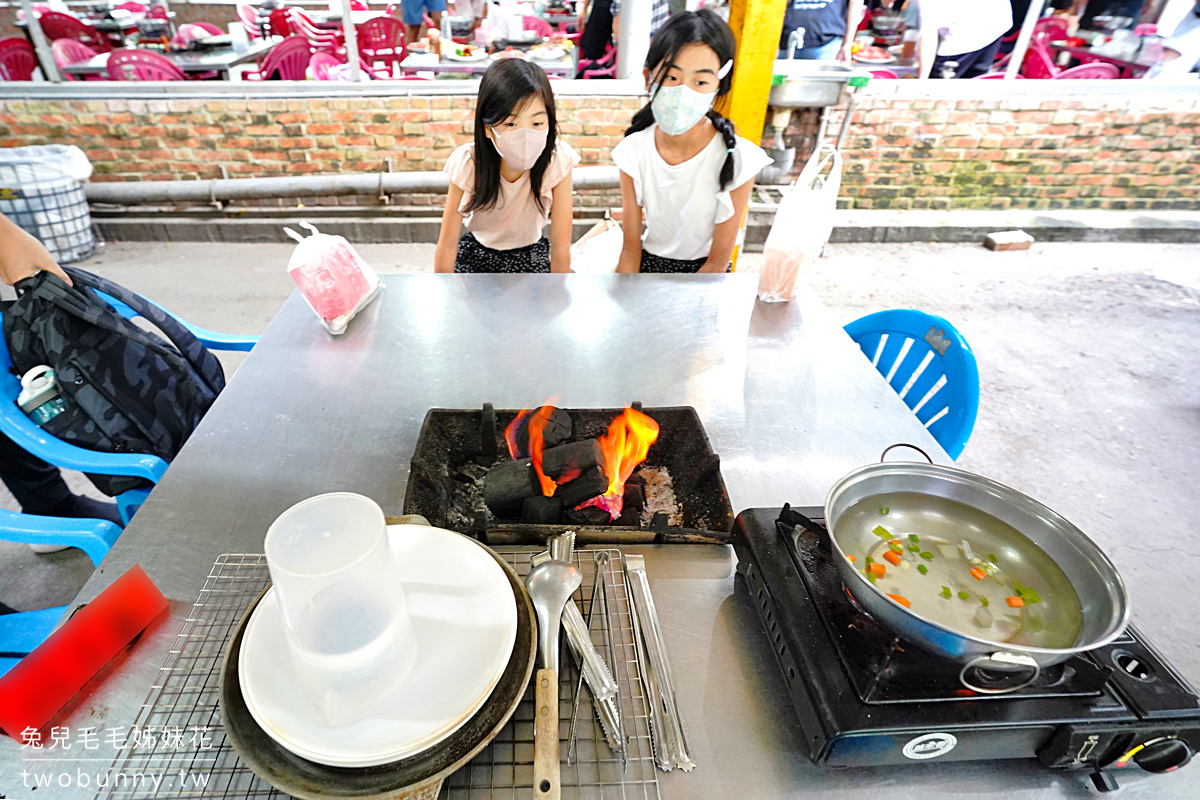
684, 172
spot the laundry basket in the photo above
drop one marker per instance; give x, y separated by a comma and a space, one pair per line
41, 190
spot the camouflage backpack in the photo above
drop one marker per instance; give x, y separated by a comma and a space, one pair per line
127, 389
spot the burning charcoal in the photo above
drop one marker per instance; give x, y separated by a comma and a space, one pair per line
586, 516
469, 472
633, 501
541, 510
709, 466
635, 479
556, 431
585, 487
575, 458
486, 455
507, 485
659, 520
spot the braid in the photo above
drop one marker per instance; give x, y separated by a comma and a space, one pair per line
728, 134
643, 119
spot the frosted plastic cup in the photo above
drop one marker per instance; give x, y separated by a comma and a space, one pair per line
777, 276
345, 617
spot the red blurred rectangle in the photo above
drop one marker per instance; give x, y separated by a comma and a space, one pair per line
34, 690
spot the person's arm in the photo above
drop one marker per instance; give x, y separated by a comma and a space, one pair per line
22, 256
583, 12
927, 47
631, 228
853, 17
725, 234
447, 246
562, 217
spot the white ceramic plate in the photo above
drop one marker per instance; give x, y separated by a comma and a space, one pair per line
479, 56
464, 615
547, 53
875, 61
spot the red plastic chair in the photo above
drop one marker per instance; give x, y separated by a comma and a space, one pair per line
288, 59
319, 40
158, 12
129, 5
885, 74
64, 26
381, 39
248, 16
1050, 29
17, 59
130, 64
1038, 64
538, 26
278, 22
69, 51
320, 64
1096, 71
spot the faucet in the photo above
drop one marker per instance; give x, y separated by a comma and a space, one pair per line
795, 42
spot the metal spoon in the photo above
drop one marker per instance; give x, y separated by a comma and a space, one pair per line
550, 585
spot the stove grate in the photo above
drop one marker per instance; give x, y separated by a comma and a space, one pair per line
178, 738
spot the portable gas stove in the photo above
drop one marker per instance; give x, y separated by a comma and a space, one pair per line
865, 698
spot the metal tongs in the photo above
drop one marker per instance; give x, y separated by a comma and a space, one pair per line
593, 669
666, 725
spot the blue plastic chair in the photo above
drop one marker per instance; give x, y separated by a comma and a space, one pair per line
930, 365
22, 430
21, 632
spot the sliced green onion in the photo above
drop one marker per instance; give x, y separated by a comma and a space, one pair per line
983, 601
897, 548
921, 568
964, 595
870, 561
881, 532
914, 548
884, 511
928, 556
992, 557
946, 592
912, 537
871, 577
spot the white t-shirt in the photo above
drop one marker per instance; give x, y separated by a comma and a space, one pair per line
683, 203
973, 24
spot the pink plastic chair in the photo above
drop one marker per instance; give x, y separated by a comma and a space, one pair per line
158, 12
190, 31
288, 59
381, 39
319, 65
538, 26
1096, 71
248, 16
69, 51
318, 40
1050, 29
996, 76
885, 74
64, 26
17, 59
1146, 29
603, 67
130, 64
132, 7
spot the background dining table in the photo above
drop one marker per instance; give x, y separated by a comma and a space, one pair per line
220, 59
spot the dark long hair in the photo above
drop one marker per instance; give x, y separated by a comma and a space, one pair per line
507, 84
708, 29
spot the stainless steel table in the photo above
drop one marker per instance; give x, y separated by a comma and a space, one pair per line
787, 399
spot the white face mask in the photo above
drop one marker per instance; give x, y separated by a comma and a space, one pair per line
678, 108
520, 147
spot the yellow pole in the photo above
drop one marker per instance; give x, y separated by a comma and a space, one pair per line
757, 26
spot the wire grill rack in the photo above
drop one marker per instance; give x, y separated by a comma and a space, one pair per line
178, 737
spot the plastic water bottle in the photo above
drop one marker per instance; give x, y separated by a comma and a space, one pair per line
447, 28
39, 397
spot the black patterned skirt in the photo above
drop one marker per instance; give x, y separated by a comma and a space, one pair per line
659, 265
474, 257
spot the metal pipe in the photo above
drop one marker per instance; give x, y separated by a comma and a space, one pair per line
633, 37
365, 183
1018, 54
351, 39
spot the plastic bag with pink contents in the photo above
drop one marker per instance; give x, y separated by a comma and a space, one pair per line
802, 225
332, 276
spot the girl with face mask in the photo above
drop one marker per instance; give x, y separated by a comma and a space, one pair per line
684, 172
514, 177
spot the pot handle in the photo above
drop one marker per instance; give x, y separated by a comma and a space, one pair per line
1008, 660
883, 455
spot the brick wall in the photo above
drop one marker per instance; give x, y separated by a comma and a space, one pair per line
933, 144
1026, 151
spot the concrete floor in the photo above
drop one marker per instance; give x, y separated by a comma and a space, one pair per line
1087, 356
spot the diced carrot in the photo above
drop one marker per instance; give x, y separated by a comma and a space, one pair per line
852, 559
892, 557
878, 570
978, 574
1014, 602
901, 600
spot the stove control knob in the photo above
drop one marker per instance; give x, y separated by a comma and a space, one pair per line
1163, 755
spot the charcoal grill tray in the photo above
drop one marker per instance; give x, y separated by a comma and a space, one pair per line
450, 438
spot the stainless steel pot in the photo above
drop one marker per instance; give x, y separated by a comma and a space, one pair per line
1102, 595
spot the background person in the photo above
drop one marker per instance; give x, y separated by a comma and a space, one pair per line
413, 14
829, 27
965, 33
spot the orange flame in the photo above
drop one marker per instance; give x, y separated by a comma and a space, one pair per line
537, 424
625, 445
510, 434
